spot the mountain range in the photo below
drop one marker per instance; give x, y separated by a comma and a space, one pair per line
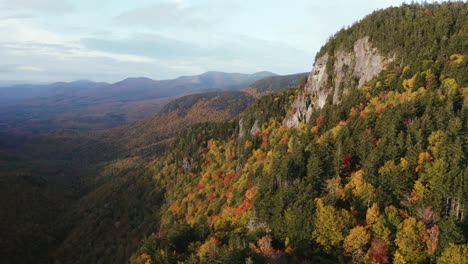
89, 105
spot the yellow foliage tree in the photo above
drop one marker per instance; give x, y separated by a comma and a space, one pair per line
330, 225
409, 83
382, 232
449, 87
419, 191
356, 240
454, 254
143, 259
457, 58
372, 214
209, 248
360, 188
410, 240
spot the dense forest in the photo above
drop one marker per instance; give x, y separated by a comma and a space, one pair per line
378, 176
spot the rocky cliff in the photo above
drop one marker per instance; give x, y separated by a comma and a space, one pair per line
333, 75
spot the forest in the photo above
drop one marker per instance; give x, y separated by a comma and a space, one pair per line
378, 176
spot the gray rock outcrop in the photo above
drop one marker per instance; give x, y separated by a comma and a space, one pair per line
351, 70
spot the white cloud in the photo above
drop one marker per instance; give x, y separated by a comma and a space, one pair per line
64, 52
83, 52
29, 68
19, 31
25, 39
55, 7
182, 4
177, 13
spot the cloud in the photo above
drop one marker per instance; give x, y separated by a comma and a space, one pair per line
29, 68
140, 55
224, 52
19, 31
68, 51
172, 13
54, 7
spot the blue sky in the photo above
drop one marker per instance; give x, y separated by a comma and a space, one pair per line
109, 40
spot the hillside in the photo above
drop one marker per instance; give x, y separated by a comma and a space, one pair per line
362, 161
366, 163
274, 84
94, 106
152, 135
51, 171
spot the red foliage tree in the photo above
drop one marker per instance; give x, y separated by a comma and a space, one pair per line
283, 140
318, 120
378, 251
211, 196
432, 239
244, 207
347, 161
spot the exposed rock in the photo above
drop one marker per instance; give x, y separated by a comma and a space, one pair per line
255, 128
342, 68
186, 165
241, 128
253, 131
361, 64
369, 62
305, 102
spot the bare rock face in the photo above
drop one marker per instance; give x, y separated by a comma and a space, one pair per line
241, 128
342, 66
255, 128
351, 70
369, 62
303, 105
253, 131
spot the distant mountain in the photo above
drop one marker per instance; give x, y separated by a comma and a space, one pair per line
274, 84
134, 89
88, 105
27, 91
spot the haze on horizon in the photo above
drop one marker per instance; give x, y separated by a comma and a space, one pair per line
66, 40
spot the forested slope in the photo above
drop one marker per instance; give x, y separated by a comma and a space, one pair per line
377, 175
363, 161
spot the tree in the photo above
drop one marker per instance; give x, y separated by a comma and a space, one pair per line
372, 214
432, 239
454, 254
143, 259
410, 240
330, 225
378, 251
361, 190
355, 242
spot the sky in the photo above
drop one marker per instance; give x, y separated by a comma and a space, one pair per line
109, 40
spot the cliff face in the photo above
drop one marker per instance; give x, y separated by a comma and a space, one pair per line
333, 75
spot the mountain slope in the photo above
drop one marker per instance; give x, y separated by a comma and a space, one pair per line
274, 84
377, 175
153, 134
43, 176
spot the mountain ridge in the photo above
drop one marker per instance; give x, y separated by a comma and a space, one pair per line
99, 106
